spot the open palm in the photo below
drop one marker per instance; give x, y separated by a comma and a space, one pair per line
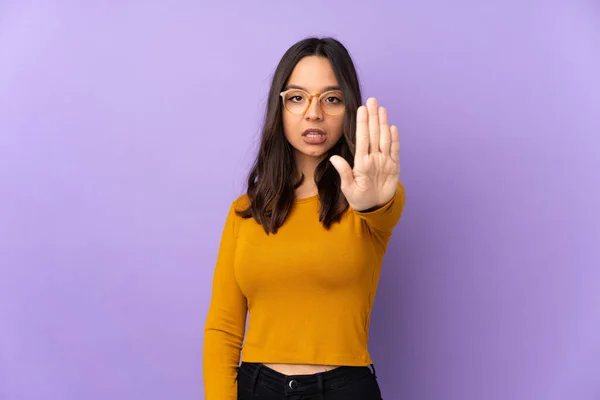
374, 179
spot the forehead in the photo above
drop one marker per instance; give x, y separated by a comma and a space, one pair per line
313, 73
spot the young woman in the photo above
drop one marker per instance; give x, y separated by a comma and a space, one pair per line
301, 251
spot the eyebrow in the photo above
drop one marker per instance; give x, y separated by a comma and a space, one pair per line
326, 89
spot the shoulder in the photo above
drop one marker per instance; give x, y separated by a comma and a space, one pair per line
241, 203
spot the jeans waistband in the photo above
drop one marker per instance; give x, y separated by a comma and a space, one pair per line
303, 384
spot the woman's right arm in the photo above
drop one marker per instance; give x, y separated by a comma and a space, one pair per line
225, 322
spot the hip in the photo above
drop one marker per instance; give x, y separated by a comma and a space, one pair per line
258, 381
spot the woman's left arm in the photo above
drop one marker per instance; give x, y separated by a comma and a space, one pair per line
372, 188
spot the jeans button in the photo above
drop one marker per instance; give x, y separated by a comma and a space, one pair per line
294, 384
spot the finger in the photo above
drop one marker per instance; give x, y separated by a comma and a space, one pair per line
362, 132
373, 125
344, 169
395, 145
385, 138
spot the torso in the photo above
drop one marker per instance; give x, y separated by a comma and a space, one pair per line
322, 280
300, 369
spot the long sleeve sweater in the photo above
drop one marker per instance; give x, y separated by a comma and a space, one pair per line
307, 291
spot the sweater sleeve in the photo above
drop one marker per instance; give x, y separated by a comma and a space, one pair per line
385, 218
225, 322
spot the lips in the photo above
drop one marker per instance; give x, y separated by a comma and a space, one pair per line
314, 132
314, 136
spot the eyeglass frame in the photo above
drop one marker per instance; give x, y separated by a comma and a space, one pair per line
310, 97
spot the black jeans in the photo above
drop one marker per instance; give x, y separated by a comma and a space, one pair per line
259, 382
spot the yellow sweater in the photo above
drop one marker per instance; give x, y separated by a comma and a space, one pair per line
309, 291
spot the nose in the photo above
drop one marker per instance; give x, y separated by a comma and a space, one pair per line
314, 110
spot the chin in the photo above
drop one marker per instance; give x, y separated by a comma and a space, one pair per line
314, 151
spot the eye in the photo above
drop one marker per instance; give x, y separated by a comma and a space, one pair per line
296, 98
333, 99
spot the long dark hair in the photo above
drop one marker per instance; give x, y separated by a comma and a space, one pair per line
271, 181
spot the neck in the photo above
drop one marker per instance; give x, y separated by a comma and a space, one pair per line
307, 165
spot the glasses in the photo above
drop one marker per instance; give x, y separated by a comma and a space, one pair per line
297, 101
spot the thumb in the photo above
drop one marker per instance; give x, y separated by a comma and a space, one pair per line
344, 169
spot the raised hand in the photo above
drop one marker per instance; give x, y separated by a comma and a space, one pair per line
374, 179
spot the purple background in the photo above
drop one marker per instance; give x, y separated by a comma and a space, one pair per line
126, 129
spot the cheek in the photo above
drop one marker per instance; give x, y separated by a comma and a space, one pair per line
289, 127
336, 127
